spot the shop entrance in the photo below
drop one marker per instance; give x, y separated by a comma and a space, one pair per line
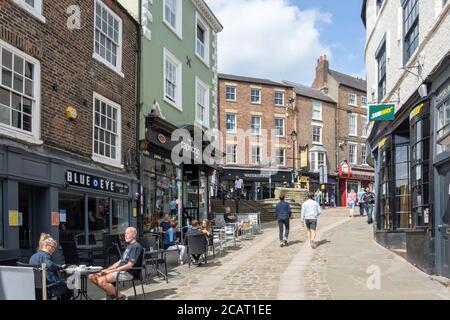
26, 229
444, 228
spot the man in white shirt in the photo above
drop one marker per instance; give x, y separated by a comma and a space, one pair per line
238, 186
310, 213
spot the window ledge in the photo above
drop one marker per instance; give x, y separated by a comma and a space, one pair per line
203, 60
176, 32
173, 104
256, 103
31, 11
317, 119
11, 133
107, 161
230, 100
110, 66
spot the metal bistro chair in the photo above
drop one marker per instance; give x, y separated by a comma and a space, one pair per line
38, 281
219, 240
137, 273
71, 255
247, 230
197, 245
154, 256
230, 233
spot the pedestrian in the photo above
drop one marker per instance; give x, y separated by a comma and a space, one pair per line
352, 198
361, 202
318, 196
284, 212
238, 186
173, 208
369, 202
310, 213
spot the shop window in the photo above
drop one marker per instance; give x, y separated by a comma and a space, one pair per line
411, 28
120, 216
98, 216
72, 215
1, 214
442, 101
385, 208
402, 193
420, 175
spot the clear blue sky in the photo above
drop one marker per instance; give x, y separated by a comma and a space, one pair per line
346, 33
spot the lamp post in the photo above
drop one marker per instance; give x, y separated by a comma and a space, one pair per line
294, 140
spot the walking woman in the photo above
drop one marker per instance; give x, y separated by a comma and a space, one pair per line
352, 199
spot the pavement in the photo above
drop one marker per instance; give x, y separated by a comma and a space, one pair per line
347, 265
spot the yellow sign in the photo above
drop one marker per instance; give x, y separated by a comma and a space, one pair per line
323, 187
135, 212
382, 143
14, 218
416, 111
71, 113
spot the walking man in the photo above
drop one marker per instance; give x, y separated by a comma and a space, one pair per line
238, 186
361, 202
369, 203
284, 212
310, 213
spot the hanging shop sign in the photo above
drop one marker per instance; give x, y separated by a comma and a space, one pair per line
382, 112
345, 169
101, 184
417, 111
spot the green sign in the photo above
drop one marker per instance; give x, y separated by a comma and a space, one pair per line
383, 112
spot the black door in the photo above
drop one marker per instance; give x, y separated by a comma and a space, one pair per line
444, 227
26, 232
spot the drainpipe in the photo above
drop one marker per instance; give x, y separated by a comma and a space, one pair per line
138, 122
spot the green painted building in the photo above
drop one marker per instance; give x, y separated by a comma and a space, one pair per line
178, 86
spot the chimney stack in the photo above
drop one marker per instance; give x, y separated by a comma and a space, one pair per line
322, 71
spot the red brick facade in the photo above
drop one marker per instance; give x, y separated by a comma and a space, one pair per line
70, 74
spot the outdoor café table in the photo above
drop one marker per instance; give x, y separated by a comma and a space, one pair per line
79, 278
90, 250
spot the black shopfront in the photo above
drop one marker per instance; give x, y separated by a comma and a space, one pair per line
413, 177
67, 196
180, 189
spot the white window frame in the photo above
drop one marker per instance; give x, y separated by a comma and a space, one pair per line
256, 147
363, 156
349, 99
179, 16
251, 95
199, 83
99, 158
321, 110
283, 103
284, 127
317, 125
234, 154
282, 164
355, 154
179, 92
364, 102
364, 128
33, 137
235, 93
353, 134
118, 68
205, 27
235, 122
36, 11
260, 125
314, 165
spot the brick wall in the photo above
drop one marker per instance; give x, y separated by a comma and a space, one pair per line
267, 110
66, 60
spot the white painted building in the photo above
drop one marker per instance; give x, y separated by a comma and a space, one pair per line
407, 62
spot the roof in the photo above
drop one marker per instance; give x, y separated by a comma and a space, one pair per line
349, 81
230, 77
309, 92
208, 14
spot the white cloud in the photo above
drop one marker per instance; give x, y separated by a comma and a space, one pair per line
269, 38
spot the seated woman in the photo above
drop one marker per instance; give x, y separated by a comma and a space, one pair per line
206, 229
47, 246
170, 242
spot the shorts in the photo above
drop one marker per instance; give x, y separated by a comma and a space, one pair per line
311, 224
124, 276
351, 205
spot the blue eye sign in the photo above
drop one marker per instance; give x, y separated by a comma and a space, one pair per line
91, 182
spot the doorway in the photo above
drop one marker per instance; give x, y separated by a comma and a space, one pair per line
26, 228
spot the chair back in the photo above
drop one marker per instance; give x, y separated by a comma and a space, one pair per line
149, 243
82, 240
140, 264
219, 220
70, 253
197, 244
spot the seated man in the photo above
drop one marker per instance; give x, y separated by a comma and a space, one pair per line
105, 279
170, 242
47, 246
194, 231
232, 218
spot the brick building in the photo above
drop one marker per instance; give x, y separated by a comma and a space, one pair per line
317, 139
257, 120
67, 120
352, 127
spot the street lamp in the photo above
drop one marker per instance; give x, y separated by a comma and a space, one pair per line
294, 140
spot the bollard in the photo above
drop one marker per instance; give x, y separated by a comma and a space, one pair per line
44, 282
